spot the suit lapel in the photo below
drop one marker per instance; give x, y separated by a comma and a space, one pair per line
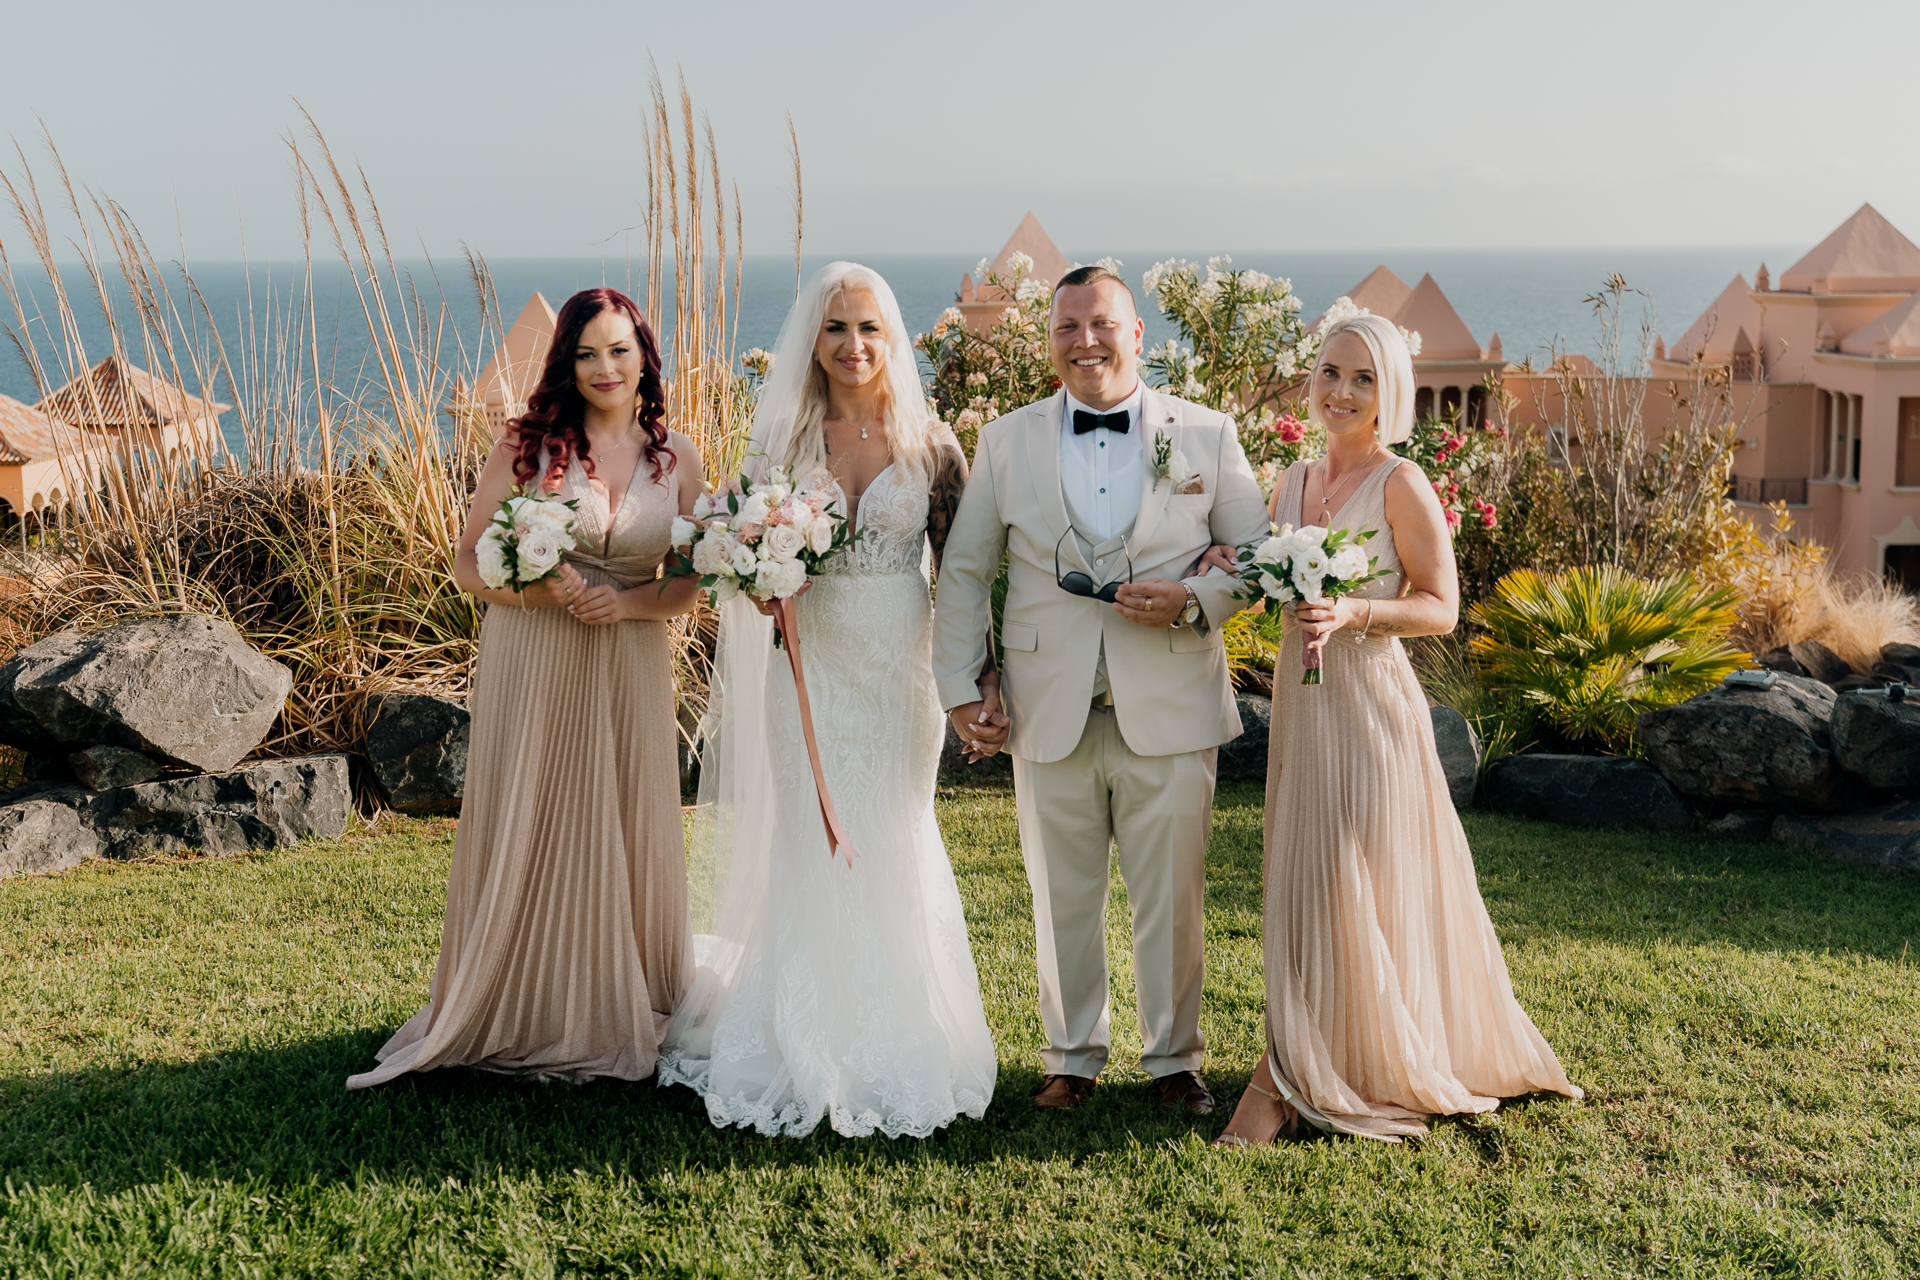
1043, 468
1157, 415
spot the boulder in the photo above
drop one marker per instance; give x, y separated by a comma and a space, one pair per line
1820, 662
1459, 748
1245, 758
1851, 683
1585, 791
1884, 670
417, 745
1781, 660
1877, 739
184, 688
1907, 655
44, 834
1755, 748
1886, 836
103, 768
265, 804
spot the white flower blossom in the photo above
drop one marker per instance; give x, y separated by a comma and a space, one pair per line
779, 579
491, 553
703, 506
682, 531
1018, 263
745, 562
754, 509
539, 554
710, 556
783, 542
820, 536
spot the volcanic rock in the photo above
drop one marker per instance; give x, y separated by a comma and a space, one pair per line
103, 768
1585, 791
1886, 836
1878, 739
417, 745
1755, 748
1459, 749
184, 688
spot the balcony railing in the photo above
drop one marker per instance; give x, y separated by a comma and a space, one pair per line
1760, 492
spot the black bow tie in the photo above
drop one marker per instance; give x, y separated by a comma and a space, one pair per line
1085, 420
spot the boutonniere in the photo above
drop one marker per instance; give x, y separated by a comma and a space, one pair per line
1168, 462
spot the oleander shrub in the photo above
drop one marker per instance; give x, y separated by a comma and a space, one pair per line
1589, 649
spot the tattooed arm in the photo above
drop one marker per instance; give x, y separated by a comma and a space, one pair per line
949, 482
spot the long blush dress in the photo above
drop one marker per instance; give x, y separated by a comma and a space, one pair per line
1387, 996
566, 943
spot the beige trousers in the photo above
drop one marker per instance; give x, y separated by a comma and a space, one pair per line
1073, 813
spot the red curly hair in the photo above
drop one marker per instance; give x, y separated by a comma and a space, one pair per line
556, 414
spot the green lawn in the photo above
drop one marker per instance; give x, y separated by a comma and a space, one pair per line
173, 1038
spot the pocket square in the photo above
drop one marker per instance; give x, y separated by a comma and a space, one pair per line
1192, 484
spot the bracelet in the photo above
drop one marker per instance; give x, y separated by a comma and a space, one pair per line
1369, 627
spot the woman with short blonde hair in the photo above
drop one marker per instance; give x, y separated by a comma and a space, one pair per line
1387, 997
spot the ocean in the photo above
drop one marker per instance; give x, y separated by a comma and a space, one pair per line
1530, 297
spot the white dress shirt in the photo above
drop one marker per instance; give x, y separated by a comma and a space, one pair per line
1100, 471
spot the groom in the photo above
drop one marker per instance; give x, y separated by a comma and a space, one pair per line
1114, 676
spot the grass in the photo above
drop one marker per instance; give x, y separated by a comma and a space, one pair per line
173, 1037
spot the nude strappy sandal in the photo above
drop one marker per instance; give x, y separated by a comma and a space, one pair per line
1289, 1122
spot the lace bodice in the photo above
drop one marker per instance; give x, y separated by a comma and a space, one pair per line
892, 523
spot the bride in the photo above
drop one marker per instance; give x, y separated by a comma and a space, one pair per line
828, 990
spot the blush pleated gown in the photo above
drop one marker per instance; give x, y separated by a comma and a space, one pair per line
1387, 995
566, 943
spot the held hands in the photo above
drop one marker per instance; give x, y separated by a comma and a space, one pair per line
1154, 602
983, 726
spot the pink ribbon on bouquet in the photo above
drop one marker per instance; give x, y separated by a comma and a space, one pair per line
837, 841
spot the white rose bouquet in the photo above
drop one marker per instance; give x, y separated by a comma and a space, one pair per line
1306, 564
525, 539
764, 538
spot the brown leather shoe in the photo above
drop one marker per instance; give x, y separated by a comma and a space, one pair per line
1062, 1093
1184, 1089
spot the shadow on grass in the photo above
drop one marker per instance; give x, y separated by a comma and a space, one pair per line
283, 1115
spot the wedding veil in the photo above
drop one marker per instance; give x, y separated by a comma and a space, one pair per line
732, 833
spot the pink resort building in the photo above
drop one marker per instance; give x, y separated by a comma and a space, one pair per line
111, 418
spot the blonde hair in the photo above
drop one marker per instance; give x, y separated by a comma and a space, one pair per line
910, 431
1392, 372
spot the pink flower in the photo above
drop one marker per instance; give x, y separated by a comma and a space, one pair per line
1453, 518
1290, 429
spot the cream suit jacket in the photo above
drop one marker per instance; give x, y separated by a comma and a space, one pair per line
1170, 688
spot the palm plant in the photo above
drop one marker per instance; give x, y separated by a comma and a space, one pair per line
1592, 648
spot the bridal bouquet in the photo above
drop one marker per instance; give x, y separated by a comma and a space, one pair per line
1307, 564
767, 539
523, 542
764, 538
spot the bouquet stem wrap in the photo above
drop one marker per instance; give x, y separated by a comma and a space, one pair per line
837, 841
1310, 655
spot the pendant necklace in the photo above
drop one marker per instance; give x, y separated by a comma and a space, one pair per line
1327, 498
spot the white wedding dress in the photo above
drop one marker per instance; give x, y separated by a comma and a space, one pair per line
822, 990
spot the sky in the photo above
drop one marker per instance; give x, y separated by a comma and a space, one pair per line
516, 129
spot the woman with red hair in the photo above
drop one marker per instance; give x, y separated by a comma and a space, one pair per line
565, 946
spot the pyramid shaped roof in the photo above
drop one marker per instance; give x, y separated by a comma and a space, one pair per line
1900, 328
25, 433
1719, 326
1443, 334
510, 376
115, 393
1031, 238
1382, 293
1866, 253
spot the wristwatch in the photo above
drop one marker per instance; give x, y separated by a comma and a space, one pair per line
1190, 614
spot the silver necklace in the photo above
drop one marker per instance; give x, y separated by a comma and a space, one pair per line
1327, 498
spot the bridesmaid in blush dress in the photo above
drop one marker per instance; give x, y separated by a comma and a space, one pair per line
1387, 995
566, 945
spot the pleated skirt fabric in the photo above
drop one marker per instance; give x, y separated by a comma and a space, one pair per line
566, 943
1388, 998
